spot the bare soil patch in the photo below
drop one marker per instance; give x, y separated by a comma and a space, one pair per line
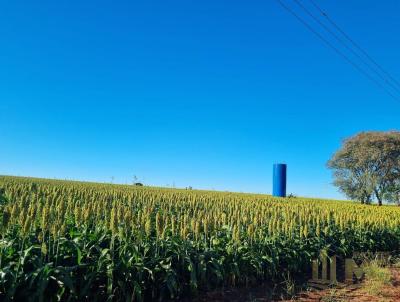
355, 293
350, 293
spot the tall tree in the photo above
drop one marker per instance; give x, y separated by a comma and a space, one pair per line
367, 166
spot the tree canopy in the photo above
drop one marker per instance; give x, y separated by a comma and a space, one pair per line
367, 167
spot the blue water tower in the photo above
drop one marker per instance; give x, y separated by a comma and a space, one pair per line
279, 186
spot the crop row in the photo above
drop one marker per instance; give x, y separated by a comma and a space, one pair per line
77, 241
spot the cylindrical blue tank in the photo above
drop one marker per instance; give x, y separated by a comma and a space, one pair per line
279, 186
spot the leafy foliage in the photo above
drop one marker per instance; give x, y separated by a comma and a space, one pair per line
368, 165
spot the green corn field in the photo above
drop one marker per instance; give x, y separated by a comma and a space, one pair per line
75, 241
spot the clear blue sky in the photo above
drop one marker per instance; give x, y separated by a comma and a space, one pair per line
202, 93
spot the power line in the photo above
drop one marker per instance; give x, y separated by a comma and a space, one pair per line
335, 49
323, 13
341, 41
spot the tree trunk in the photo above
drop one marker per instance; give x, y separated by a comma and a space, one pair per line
378, 197
368, 200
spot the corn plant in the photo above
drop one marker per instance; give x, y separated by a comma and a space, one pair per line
76, 241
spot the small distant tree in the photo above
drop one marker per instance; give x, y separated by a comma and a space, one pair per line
367, 166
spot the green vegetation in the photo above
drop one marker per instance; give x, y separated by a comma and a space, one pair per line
74, 241
368, 166
377, 276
